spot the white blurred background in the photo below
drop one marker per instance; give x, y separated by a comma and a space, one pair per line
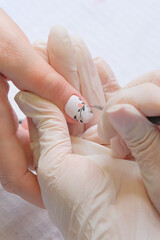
125, 33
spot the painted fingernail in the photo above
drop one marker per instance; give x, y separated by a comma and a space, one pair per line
78, 110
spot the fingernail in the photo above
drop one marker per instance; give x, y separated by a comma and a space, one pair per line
78, 110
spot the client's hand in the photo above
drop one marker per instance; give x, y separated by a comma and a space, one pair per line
20, 63
15, 153
88, 193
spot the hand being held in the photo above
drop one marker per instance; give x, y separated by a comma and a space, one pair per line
20, 63
88, 193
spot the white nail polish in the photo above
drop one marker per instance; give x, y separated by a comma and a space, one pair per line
78, 110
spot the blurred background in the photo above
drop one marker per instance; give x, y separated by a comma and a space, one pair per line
125, 33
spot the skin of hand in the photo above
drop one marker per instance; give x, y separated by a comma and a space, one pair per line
15, 153
20, 63
88, 193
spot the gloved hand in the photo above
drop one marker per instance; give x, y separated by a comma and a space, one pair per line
124, 121
88, 193
136, 93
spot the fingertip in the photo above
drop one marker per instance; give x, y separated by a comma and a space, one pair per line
59, 29
57, 35
130, 124
61, 55
123, 117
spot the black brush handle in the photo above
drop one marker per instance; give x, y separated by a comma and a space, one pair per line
154, 120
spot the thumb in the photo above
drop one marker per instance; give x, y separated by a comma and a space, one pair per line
143, 139
51, 138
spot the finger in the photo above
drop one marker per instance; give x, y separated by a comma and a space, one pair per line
41, 48
151, 77
61, 58
90, 84
22, 64
61, 55
51, 131
110, 85
14, 174
136, 96
107, 77
143, 140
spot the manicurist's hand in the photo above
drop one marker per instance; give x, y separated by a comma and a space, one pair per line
89, 194
132, 136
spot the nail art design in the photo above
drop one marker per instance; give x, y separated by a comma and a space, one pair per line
78, 110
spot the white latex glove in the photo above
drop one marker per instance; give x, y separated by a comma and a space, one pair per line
88, 194
131, 124
140, 93
71, 58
